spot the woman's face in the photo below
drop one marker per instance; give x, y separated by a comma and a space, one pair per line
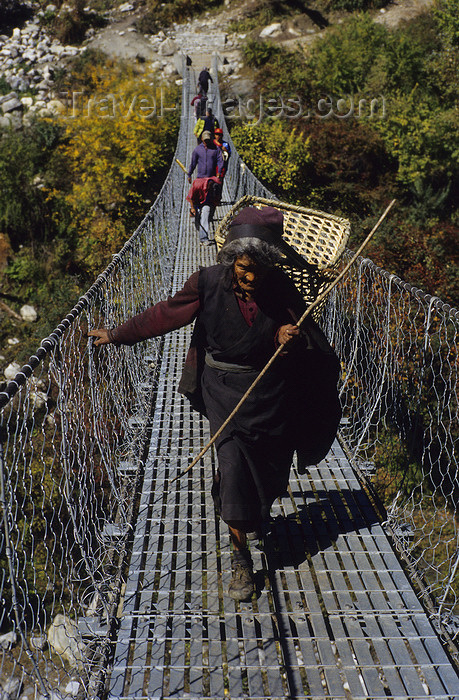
249, 274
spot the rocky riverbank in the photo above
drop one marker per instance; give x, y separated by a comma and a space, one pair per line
30, 58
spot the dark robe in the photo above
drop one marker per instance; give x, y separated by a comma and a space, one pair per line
255, 450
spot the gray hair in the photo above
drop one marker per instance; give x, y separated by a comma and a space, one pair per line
261, 252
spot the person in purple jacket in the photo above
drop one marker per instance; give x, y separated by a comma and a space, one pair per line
207, 158
243, 308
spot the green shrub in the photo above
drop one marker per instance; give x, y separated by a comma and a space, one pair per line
70, 23
341, 62
362, 56
347, 151
422, 137
5, 87
24, 214
285, 73
442, 69
425, 256
276, 153
257, 53
446, 14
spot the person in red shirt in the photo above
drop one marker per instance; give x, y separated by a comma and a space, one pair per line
204, 196
199, 102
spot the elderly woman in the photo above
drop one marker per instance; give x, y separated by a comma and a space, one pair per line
244, 308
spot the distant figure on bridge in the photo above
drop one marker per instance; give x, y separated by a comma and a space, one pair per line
203, 80
204, 196
211, 121
225, 149
199, 102
244, 307
206, 157
207, 123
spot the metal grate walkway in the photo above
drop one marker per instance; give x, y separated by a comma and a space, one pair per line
335, 618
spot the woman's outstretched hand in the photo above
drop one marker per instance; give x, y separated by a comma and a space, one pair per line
102, 336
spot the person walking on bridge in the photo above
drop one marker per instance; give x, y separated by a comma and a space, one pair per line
206, 157
210, 122
199, 103
244, 307
203, 80
225, 149
204, 196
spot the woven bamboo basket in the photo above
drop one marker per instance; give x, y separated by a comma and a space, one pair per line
318, 237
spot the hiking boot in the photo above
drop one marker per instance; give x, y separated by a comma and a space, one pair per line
241, 586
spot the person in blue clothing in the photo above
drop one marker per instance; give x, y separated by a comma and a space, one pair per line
207, 158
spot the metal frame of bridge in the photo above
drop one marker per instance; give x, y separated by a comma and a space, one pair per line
335, 616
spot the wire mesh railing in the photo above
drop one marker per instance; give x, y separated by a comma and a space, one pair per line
73, 428
72, 431
400, 388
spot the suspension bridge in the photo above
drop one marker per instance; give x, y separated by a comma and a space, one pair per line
113, 577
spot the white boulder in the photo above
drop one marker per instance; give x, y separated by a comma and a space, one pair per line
8, 640
167, 48
38, 399
11, 104
11, 371
38, 643
72, 688
63, 637
28, 313
56, 106
11, 690
271, 30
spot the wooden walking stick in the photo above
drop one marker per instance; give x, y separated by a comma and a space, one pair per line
310, 308
182, 166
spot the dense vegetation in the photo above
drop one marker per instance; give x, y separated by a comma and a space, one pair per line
339, 156
85, 182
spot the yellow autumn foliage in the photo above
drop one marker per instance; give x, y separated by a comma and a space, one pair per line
275, 152
117, 143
